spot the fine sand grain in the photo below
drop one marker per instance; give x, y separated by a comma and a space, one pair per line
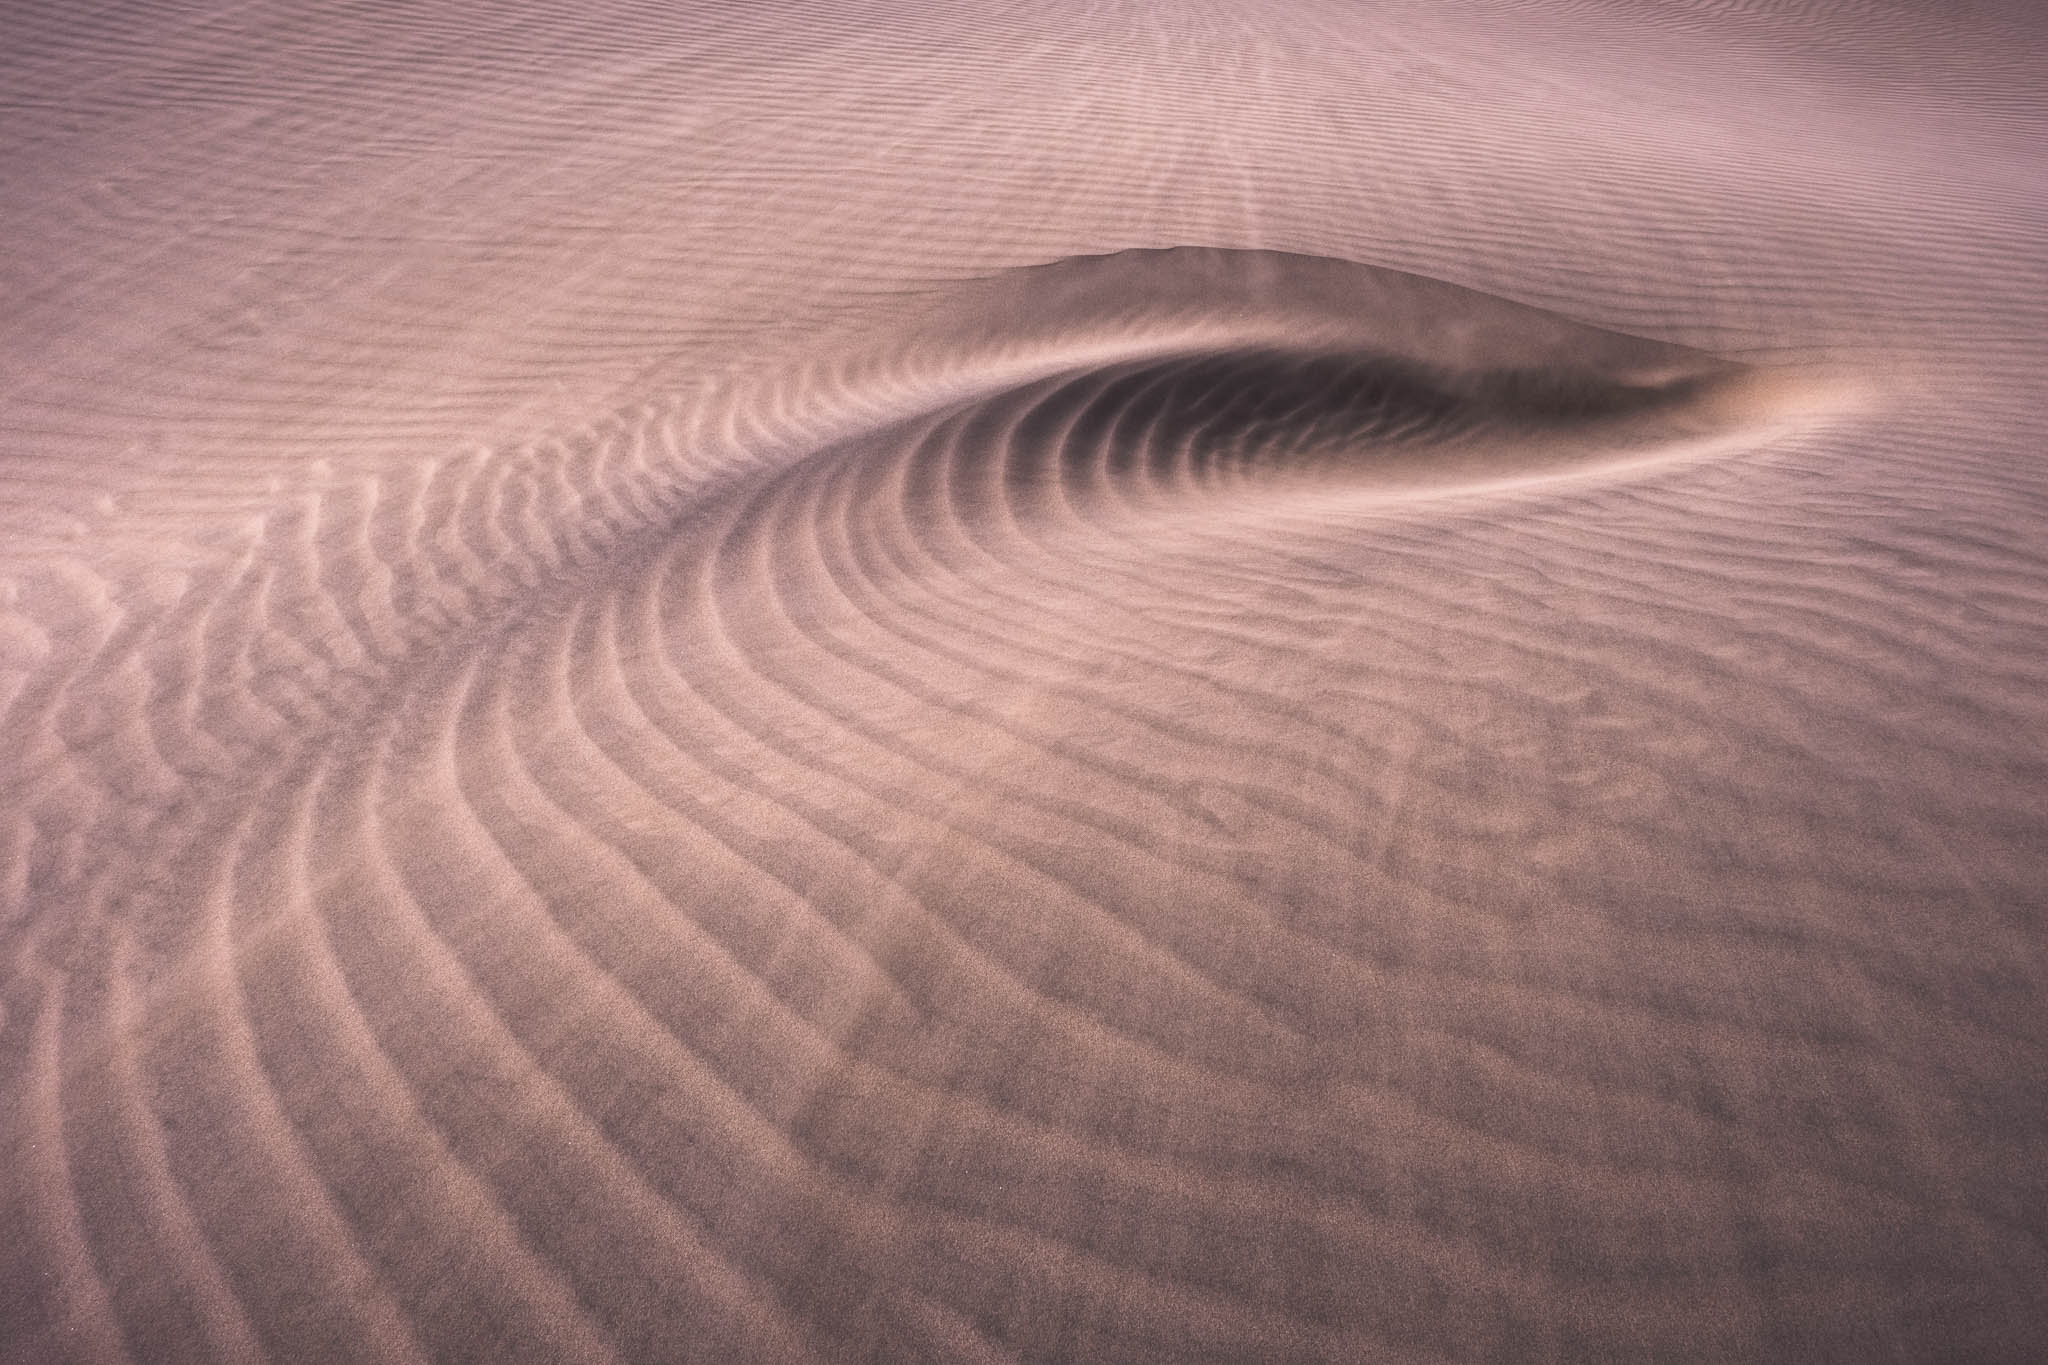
1340, 680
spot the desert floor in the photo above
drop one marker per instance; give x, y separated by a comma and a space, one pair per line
1331, 680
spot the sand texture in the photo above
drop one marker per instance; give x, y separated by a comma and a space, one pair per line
1331, 680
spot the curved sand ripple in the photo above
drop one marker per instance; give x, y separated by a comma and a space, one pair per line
1167, 804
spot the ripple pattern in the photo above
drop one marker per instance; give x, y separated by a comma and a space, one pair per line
1170, 804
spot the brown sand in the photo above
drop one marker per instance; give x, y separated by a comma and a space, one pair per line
1317, 681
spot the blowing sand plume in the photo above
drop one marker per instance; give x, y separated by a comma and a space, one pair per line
1324, 681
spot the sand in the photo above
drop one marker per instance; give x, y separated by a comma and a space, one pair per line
1098, 682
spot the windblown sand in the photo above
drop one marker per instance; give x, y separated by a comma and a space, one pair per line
1169, 681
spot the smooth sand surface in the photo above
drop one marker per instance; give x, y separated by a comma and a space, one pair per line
1324, 681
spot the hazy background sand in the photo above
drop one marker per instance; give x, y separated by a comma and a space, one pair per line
668, 692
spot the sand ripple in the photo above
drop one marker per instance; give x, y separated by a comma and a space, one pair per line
1181, 804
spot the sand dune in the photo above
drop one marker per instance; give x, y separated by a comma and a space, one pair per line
1098, 682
